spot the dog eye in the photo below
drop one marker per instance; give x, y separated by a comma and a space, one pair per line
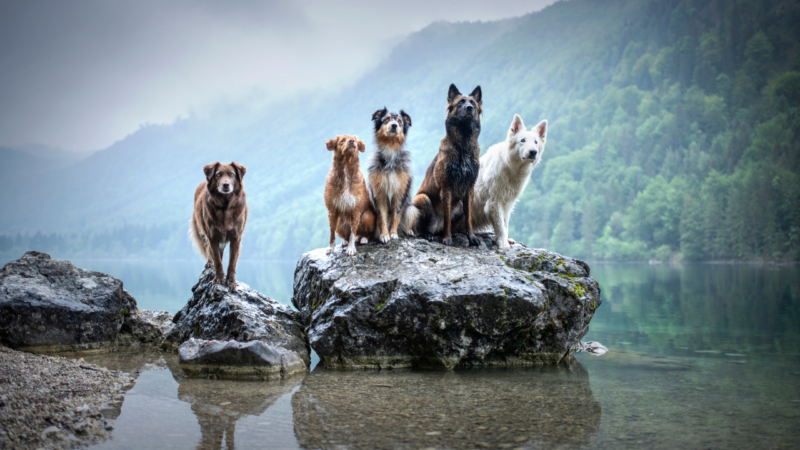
536, 142
523, 140
219, 174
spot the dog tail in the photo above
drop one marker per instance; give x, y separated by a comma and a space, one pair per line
197, 241
409, 219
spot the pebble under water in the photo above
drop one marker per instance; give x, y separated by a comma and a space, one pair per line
700, 356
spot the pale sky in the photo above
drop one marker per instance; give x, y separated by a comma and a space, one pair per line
81, 74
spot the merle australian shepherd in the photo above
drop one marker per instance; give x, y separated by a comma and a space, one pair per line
445, 197
390, 177
219, 217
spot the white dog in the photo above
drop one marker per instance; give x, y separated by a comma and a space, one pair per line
505, 171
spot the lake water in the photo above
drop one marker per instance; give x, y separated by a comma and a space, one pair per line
701, 356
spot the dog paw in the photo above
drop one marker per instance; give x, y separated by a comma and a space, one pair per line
447, 241
219, 280
511, 241
209, 265
344, 243
385, 238
331, 250
394, 236
503, 245
429, 236
364, 241
474, 240
411, 233
351, 251
231, 284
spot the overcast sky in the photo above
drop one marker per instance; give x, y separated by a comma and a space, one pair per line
81, 74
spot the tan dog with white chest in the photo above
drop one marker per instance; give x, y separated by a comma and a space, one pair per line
350, 212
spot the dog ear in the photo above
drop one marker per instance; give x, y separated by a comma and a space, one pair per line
331, 144
452, 93
516, 126
360, 144
541, 129
240, 170
476, 94
377, 115
406, 121
210, 170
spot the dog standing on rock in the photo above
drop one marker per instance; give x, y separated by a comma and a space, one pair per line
350, 212
220, 214
505, 171
390, 175
445, 196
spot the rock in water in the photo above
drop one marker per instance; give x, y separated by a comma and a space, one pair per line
145, 328
214, 316
48, 305
414, 303
254, 360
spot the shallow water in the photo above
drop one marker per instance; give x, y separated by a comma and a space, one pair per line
701, 356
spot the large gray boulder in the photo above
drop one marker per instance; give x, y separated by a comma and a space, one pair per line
49, 306
214, 316
414, 303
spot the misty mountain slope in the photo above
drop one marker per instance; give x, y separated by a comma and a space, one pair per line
673, 130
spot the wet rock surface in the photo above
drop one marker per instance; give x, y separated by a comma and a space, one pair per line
216, 314
145, 328
53, 402
48, 306
254, 360
414, 303
539, 407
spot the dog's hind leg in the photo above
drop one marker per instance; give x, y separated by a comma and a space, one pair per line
409, 219
425, 219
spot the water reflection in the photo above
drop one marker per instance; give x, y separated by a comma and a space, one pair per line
219, 404
549, 406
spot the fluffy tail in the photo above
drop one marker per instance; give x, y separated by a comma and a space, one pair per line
199, 243
409, 219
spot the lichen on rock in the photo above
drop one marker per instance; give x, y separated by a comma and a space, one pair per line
415, 303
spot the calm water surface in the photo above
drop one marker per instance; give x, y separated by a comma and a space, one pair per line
701, 356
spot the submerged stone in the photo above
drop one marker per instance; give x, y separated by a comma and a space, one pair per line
254, 360
414, 303
49, 306
215, 314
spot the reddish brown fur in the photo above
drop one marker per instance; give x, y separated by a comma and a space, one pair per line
346, 195
220, 218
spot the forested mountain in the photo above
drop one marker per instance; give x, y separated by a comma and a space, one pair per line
673, 133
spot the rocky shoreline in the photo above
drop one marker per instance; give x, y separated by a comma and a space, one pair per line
55, 402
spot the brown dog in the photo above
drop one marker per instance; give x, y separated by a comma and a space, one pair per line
445, 196
350, 212
220, 214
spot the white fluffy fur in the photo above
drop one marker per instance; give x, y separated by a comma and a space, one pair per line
505, 171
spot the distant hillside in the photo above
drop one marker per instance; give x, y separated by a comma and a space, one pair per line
673, 133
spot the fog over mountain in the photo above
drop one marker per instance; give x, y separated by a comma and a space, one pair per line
82, 74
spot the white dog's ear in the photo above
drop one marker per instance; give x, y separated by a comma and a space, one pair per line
541, 129
516, 126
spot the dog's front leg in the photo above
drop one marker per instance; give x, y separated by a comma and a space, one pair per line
497, 218
447, 204
394, 216
216, 257
351, 243
332, 221
473, 240
383, 212
233, 259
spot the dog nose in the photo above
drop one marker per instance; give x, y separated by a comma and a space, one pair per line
532, 154
470, 107
351, 140
225, 185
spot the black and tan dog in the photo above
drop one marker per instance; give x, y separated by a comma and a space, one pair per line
445, 197
220, 214
390, 177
